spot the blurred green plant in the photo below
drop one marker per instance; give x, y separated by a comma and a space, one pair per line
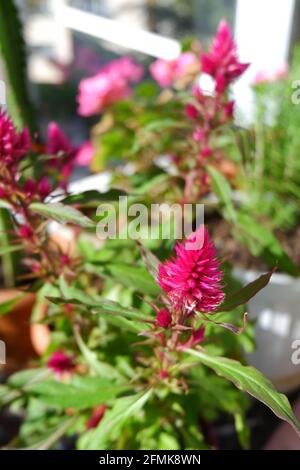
13, 51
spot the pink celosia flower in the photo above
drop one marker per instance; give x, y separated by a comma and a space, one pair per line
221, 62
163, 72
166, 72
163, 318
206, 152
198, 135
63, 152
13, 144
3, 193
85, 154
125, 68
38, 190
191, 111
192, 280
109, 85
25, 232
61, 363
229, 109
97, 92
57, 141
64, 260
29, 187
186, 62
163, 374
44, 187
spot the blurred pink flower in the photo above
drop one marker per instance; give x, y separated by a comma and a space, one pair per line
85, 154
44, 187
192, 280
269, 76
25, 232
109, 85
165, 72
59, 146
96, 417
163, 318
57, 140
13, 144
221, 61
61, 363
125, 68
184, 63
97, 92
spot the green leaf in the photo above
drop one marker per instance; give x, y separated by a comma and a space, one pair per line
82, 392
61, 213
14, 55
262, 242
98, 367
9, 261
96, 304
124, 409
242, 296
150, 260
25, 378
94, 196
242, 430
9, 249
162, 124
146, 90
251, 381
71, 292
136, 278
7, 306
222, 190
53, 435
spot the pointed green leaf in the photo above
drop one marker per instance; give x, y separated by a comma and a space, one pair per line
94, 196
242, 296
62, 213
137, 278
251, 381
222, 190
82, 392
124, 409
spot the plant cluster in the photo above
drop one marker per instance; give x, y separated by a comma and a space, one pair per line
146, 343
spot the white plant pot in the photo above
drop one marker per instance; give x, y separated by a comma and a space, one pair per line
276, 310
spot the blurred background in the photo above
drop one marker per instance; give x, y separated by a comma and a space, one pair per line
70, 39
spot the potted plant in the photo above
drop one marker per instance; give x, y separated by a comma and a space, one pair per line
139, 329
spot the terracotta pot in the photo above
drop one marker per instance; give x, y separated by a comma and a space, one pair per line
24, 341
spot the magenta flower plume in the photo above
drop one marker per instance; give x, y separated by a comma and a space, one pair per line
57, 141
163, 318
61, 363
192, 280
221, 62
13, 145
